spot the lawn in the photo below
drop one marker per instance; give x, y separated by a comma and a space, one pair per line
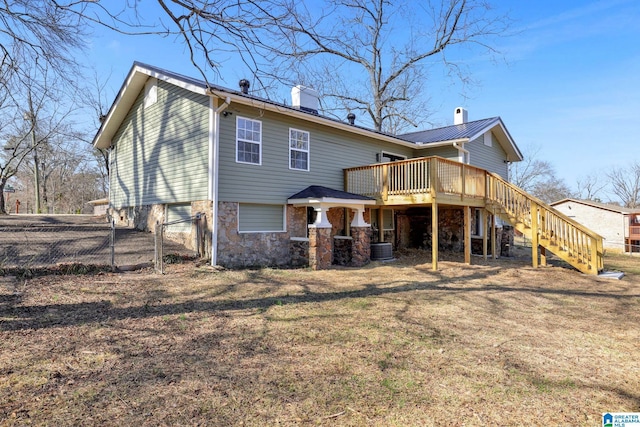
391, 344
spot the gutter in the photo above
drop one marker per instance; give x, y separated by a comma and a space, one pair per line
214, 148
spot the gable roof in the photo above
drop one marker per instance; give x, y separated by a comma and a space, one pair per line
140, 73
467, 132
598, 205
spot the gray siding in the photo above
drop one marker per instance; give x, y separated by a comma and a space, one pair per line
489, 158
161, 152
448, 152
273, 182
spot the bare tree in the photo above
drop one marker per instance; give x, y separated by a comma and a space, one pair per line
387, 43
532, 170
29, 119
625, 184
590, 186
538, 177
551, 189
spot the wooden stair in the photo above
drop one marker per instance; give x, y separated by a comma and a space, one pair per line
548, 229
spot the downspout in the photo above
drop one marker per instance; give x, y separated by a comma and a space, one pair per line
214, 150
460, 148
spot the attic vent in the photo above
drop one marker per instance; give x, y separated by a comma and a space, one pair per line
352, 118
305, 99
460, 116
244, 86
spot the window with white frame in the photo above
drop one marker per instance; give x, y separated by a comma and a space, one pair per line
248, 141
298, 149
261, 218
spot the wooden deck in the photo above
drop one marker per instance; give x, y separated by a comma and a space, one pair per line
437, 181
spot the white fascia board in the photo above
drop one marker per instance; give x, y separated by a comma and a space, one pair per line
127, 95
331, 201
421, 145
311, 118
512, 148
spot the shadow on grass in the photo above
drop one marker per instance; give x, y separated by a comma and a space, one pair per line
60, 315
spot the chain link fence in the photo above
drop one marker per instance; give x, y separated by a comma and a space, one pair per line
48, 242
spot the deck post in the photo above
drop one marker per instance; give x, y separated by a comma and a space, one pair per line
493, 236
534, 235
484, 233
380, 225
463, 186
385, 182
434, 235
466, 234
543, 256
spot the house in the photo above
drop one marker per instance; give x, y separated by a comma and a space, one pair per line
99, 206
619, 226
278, 184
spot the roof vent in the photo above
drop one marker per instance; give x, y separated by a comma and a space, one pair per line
244, 86
305, 99
352, 118
460, 116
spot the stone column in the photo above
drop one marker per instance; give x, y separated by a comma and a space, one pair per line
320, 250
361, 246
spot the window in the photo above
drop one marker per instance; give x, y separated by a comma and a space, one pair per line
179, 218
254, 218
249, 141
298, 149
387, 219
150, 92
385, 157
476, 226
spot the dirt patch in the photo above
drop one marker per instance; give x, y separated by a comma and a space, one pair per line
495, 343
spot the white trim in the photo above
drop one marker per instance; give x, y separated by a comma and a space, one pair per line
299, 239
258, 143
150, 93
488, 139
335, 203
214, 148
307, 151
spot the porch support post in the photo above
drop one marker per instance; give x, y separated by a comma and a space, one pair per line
434, 235
360, 246
320, 247
493, 236
534, 235
380, 225
483, 218
466, 235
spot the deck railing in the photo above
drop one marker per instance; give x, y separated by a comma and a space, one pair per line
558, 232
438, 176
416, 176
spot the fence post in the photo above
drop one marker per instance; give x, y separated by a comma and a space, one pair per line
113, 244
158, 256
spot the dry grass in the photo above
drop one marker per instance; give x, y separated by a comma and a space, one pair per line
392, 344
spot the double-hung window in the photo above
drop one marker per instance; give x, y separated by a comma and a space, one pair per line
248, 141
298, 149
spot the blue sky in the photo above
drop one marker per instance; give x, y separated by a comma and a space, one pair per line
568, 80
